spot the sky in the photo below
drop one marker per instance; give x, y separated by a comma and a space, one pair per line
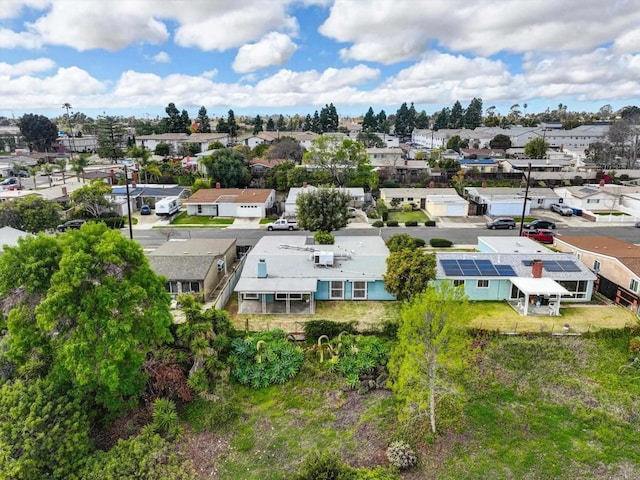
134, 57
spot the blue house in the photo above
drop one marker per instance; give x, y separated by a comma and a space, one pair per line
288, 273
533, 282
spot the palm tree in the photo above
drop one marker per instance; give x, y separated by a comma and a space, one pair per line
47, 169
33, 171
78, 164
72, 146
62, 164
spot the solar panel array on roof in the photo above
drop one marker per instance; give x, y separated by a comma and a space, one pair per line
475, 268
556, 265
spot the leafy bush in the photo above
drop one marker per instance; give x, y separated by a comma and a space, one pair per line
634, 345
411, 223
377, 473
378, 224
407, 207
403, 241
390, 183
430, 223
357, 356
324, 466
113, 222
419, 242
323, 238
383, 209
314, 329
265, 359
392, 223
401, 455
373, 214
440, 242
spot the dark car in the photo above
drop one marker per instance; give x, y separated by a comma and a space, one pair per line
145, 210
638, 225
536, 224
509, 223
541, 235
9, 181
71, 224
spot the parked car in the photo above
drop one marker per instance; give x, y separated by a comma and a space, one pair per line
638, 225
546, 224
21, 173
561, 209
509, 223
9, 181
71, 224
283, 224
541, 235
145, 210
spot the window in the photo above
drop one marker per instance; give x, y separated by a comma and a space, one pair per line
172, 288
281, 296
295, 296
458, 283
633, 286
596, 265
199, 208
359, 291
336, 290
593, 200
250, 296
483, 284
190, 287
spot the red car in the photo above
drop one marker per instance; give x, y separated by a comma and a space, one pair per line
541, 235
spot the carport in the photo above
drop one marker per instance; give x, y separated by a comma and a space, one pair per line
541, 296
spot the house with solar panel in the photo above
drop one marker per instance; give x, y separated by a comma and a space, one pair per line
287, 274
532, 279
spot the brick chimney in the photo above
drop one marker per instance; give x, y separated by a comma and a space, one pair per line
484, 184
536, 269
432, 184
217, 184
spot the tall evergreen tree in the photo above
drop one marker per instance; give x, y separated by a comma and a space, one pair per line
281, 124
402, 122
204, 125
473, 114
422, 120
316, 123
176, 121
383, 122
307, 125
258, 124
233, 125
456, 116
369, 122
271, 127
111, 138
442, 119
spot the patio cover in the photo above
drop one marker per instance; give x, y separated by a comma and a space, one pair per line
539, 286
277, 285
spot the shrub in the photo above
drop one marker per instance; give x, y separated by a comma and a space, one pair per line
383, 210
265, 359
324, 466
401, 455
316, 328
392, 223
378, 224
411, 223
419, 242
407, 207
634, 345
323, 238
430, 223
113, 222
440, 242
373, 214
390, 183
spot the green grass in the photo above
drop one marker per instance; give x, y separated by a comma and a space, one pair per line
402, 217
264, 221
532, 408
184, 219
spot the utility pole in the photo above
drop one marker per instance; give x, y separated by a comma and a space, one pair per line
526, 197
126, 182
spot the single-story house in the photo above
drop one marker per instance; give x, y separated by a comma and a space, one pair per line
287, 274
385, 157
508, 201
510, 245
259, 166
589, 197
484, 165
291, 207
534, 284
513, 165
231, 202
615, 262
147, 194
416, 196
194, 266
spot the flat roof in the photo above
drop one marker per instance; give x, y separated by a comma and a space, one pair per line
539, 286
513, 245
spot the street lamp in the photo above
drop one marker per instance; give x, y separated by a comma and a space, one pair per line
526, 197
126, 182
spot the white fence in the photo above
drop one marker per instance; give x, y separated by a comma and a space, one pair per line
227, 290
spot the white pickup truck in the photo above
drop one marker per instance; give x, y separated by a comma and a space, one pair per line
283, 224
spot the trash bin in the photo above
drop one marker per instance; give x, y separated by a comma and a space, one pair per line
577, 212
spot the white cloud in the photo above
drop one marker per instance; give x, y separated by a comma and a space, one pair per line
162, 57
628, 42
313, 82
13, 8
11, 39
27, 67
389, 32
272, 49
210, 73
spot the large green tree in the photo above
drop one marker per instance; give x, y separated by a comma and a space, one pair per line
38, 131
92, 199
204, 125
286, 148
227, 167
536, 148
409, 273
104, 311
500, 141
430, 350
325, 209
176, 121
341, 158
30, 214
456, 117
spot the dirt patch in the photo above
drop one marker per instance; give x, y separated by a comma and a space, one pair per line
203, 450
